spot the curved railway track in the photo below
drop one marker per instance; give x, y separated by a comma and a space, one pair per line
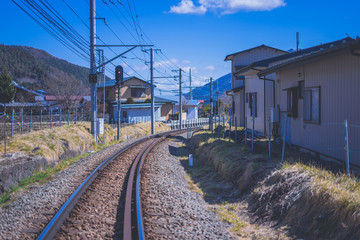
101, 201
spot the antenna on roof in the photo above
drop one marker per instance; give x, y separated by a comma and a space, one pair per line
297, 41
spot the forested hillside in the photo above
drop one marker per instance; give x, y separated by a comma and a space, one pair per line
37, 69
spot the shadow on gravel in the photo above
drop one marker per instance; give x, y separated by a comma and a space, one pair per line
207, 181
118, 226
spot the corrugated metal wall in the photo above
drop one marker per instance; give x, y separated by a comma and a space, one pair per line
339, 79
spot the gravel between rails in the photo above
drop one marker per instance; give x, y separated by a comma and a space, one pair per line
33, 209
171, 209
99, 213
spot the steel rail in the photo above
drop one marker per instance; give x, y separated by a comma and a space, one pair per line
54, 225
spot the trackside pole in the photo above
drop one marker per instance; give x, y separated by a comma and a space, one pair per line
269, 139
230, 132
347, 150
284, 141
236, 135
245, 131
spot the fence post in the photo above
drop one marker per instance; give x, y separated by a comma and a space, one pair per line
60, 116
252, 131
12, 123
245, 131
284, 141
269, 138
40, 119
68, 117
4, 126
76, 110
82, 115
30, 120
230, 132
22, 120
347, 150
50, 118
236, 135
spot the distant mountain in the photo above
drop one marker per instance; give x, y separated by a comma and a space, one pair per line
36, 69
203, 93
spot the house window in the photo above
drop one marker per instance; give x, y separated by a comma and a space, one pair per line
301, 88
312, 105
253, 103
292, 102
138, 92
241, 77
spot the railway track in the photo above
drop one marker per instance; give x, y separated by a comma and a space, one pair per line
107, 204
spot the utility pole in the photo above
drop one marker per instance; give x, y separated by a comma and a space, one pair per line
102, 57
180, 99
211, 106
93, 67
118, 111
191, 96
217, 98
297, 41
152, 91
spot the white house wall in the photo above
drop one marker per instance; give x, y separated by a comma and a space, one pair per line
339, 79
244, 59
254, 84
239, 107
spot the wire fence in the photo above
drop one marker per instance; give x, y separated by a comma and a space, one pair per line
337, 142
20, 121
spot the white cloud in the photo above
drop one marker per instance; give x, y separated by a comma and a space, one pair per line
226, 6
188, 7
210, 68
186, 61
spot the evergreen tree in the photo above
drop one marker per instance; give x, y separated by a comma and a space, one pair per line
7, 91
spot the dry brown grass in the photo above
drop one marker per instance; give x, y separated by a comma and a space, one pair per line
308, 201
53, 143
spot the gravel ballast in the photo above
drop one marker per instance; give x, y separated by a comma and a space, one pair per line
171, 209
33, 208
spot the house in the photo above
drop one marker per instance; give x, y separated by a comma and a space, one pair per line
167, 107
316, 90
132, 91
245, 91
189, 107
140, 112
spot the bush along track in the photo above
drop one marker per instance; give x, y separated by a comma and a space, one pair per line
270, 200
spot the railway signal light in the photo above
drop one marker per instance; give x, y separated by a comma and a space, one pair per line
119, 74
93, 78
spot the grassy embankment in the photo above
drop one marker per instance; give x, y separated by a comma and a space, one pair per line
53, 144
301, 200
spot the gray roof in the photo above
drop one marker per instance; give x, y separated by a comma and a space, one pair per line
228, 57
313, 52
165, 100
18, 104
266, 62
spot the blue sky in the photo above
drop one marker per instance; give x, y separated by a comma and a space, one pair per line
197, 34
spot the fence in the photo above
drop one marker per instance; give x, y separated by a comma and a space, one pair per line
337, 141
20, 121
188, 123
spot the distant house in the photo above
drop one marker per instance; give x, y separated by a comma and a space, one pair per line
245, 91
24, 95
317, 89
167, 107
189, 107
133, 90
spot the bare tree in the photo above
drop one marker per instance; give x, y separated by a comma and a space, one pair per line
69, 94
